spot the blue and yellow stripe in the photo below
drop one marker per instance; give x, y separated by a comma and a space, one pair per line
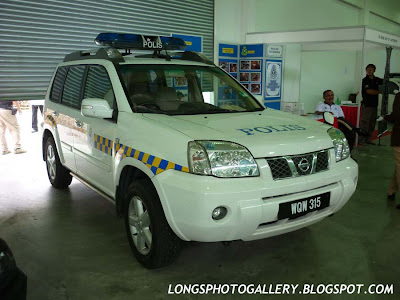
156, 164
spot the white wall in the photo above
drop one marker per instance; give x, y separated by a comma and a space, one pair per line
291, 73
228, 27
321, 71
285, 15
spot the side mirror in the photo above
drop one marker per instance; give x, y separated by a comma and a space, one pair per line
96, 108
329, 118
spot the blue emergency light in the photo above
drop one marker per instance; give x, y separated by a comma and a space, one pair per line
140, 42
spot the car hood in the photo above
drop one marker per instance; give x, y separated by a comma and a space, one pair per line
267, 133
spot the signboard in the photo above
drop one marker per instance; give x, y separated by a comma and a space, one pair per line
274, 51
193, 43
382, 38
256, 50
228, 50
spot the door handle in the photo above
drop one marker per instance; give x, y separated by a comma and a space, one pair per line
78, 123
55, 113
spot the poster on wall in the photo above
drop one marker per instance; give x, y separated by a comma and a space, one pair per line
228, 61
250, 67
273, 79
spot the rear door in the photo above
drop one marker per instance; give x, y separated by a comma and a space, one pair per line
70, 111
63, 108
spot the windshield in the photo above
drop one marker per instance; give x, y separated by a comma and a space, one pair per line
185, 90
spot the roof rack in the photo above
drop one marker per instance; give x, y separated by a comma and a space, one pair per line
187, 55
107, 53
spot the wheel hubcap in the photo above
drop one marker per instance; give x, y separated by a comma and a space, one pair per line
51, 162
140, 225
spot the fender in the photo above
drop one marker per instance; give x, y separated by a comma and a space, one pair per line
57, 141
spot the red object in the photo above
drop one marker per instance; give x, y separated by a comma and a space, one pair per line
350, 114
335, 122
374, 135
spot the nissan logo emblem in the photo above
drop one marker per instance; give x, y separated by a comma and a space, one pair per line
303, 165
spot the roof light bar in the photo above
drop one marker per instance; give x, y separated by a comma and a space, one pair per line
140, 42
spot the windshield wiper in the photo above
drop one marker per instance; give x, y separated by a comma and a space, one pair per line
144, 109
255, 109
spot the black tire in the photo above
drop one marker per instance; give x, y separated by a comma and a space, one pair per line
59, 176
164, 246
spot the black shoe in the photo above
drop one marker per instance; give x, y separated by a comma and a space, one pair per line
361, 132
391, 197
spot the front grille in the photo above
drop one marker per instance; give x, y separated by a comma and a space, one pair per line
299, 165
279, 168
322, 161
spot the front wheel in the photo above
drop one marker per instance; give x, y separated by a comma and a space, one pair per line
152, 241
59, 176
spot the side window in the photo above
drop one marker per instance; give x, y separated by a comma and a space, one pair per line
72, 86
98, 85
58, 83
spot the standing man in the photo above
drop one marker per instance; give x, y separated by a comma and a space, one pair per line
36, 104
370, 92
10, 121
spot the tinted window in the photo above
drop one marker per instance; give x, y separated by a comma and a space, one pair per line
98, 85
58, 83
72, 87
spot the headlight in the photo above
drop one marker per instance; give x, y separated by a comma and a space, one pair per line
221, 159
342, 149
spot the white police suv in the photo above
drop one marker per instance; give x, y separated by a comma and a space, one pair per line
148, 133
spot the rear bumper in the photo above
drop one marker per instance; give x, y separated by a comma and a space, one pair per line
252, 203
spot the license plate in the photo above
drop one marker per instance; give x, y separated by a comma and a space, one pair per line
301, 207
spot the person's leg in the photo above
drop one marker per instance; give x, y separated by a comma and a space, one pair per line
373, 111
349, 134
11, 122
395, 182
41, 109
34, 118
3, 134
363, 123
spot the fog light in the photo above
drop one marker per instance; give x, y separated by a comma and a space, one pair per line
219, 213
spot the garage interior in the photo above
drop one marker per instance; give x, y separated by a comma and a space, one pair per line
70, 243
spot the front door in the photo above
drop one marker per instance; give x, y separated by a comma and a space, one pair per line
93, 137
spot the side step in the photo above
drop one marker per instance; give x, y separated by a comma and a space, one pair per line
93, 188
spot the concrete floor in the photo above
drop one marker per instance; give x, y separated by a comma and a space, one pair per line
72, 246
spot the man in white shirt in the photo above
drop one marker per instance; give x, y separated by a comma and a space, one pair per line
348, 129
328, 105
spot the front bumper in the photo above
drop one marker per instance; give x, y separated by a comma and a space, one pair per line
253, 203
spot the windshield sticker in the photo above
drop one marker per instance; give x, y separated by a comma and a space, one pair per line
270, 129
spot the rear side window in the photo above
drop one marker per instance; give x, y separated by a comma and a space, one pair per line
98, 85
58, 84
72, 86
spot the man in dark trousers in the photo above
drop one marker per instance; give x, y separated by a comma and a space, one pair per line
394, 117
370, 92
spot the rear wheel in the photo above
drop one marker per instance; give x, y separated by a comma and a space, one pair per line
58, 175
152, 241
